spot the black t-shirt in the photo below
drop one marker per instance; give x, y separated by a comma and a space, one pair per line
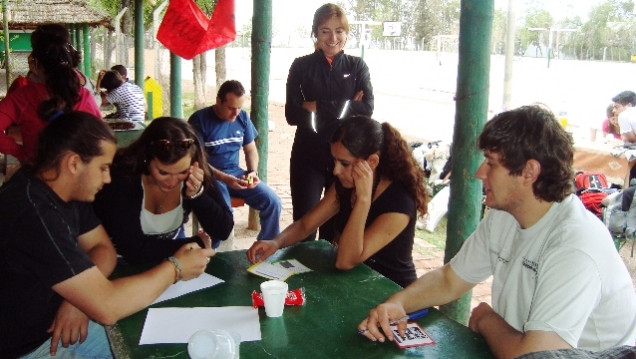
395, 260
38, 249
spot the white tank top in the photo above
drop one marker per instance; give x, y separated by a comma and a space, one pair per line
152, 223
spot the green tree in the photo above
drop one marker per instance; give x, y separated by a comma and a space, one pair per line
536, 18
435, 17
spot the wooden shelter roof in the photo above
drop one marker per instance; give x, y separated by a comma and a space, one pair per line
28, 14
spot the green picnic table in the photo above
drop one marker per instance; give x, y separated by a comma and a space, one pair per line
324, 327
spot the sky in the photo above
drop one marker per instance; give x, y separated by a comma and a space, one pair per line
288, 15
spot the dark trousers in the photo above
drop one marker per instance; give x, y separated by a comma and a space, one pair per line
308, 178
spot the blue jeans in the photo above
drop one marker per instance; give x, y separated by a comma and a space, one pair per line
263, 199
96, 346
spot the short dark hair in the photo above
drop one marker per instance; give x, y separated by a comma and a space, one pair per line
625, 97
232, 86
533, 132
75, 131
123, 71
111, 80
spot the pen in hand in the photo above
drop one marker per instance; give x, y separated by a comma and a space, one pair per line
411, 316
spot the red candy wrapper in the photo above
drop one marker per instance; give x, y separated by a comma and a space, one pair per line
294, 297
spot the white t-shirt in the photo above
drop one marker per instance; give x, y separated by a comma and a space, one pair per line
627, 120
562, 275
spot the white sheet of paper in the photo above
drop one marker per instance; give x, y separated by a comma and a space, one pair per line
270, 270
184, 287
176, 325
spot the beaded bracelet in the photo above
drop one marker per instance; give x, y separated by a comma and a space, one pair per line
199, 193
178, 270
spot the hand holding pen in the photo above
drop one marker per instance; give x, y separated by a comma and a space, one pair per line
406, 318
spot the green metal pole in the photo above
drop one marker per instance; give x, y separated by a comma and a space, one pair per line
176, 110
261, 47
471, 110
139, 43
5, 28
77, 42
87, 51
80, 45
73, 35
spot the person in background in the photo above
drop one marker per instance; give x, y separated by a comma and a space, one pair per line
558, 281
122, 70
322, 87
610, 125
224, 129
57, 90
624, 108
157, 181
127, 97
58, 31
374, 202
55, 257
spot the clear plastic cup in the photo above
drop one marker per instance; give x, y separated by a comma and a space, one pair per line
212, 344
274, 293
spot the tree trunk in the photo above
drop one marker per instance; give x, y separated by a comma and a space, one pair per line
127, 20
219, 66
199, 69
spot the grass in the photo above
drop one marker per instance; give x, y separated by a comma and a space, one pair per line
437, 238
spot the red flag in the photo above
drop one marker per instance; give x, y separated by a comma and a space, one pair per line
187, 31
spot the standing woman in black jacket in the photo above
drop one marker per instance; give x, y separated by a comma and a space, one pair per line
322, 88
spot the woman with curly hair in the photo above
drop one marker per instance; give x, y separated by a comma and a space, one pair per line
374, 200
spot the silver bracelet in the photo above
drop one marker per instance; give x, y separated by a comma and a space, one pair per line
178, 269
199, 193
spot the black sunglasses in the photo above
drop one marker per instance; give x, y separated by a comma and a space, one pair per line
167, 144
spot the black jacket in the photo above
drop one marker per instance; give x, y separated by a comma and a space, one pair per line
118, 206
312, 78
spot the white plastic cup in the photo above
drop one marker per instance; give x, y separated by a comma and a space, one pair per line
212, 344
274, 293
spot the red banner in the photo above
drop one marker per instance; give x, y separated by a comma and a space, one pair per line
187, 31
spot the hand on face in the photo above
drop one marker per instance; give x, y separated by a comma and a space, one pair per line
362, 175
195, 180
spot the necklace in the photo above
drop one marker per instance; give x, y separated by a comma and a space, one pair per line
156, 200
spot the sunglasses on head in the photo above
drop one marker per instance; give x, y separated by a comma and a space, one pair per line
167, 144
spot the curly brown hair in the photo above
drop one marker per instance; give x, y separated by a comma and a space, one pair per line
364, 136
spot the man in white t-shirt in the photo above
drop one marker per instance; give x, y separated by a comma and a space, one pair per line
624, 106
558, 281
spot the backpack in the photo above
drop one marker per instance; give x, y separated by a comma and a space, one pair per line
589, 180
591, 188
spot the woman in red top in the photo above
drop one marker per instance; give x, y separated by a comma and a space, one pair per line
32, 106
